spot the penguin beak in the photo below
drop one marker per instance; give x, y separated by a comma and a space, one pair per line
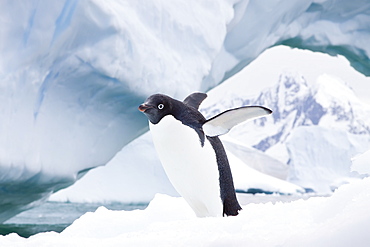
144, 107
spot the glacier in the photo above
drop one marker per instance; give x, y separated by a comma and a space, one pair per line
73, 72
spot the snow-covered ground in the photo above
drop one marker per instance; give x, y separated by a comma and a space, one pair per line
341, 220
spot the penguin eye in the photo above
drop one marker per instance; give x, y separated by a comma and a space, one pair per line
160, 106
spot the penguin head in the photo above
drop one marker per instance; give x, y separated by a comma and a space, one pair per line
156, 107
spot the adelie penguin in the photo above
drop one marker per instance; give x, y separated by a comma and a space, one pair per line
192, 155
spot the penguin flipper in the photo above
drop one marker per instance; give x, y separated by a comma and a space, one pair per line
223, 122
195, 99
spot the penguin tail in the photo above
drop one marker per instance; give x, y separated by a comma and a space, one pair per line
231, 208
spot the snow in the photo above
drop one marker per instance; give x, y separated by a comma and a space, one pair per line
246, 179
339, 220
253, 78
255, 158
361, 163
72, 73
319, 157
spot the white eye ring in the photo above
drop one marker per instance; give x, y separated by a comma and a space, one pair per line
160, 106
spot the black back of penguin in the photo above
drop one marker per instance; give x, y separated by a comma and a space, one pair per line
227, 189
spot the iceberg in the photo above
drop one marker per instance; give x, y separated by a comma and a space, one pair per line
320, 158
73, 72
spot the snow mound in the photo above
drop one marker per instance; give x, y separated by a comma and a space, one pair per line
339, 220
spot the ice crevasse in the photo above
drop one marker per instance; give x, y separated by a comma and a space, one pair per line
72, 73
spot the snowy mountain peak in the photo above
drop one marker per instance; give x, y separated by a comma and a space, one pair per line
329, 102
329, 117
292, 82
343, 108
286, 94
329, 89
328, 99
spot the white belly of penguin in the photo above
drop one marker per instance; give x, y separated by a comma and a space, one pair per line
191, 168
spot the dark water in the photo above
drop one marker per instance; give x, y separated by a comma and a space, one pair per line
55, 216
